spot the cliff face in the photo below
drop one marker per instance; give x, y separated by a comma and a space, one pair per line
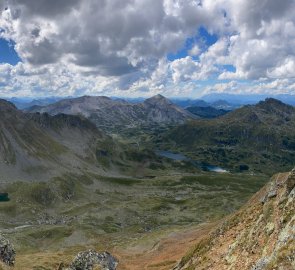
260, 236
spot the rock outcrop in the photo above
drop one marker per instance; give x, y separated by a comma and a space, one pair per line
261, 236
7, 252
87, 260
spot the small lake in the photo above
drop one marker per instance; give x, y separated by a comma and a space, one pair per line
174, 156
181, 157
4, 197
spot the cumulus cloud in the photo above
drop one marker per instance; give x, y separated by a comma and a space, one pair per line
265, 37
109, 37
195, 50
267, 87
75, 47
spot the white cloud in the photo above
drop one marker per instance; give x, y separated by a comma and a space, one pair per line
264, 39
265, 87
285, 70
195, 50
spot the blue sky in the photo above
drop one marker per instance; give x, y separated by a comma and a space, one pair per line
7, 53
202, 37
145, 47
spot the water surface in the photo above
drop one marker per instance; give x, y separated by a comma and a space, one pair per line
181, 157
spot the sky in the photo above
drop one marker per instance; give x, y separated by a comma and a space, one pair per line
139, 48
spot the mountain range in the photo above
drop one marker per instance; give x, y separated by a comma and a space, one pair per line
253, 136
23, 103
244, 99
206, 112
108, 113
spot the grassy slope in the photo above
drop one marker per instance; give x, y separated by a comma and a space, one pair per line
260, 136
106, 212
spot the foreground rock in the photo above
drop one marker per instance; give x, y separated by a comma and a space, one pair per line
7, 252
87, 260
261, 236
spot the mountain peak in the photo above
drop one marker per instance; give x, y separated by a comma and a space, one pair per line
157, 99
271, 104
271, 101
158, 96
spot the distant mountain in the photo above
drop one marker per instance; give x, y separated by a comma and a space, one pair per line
206, 112
130, 100
108, 113
261, 136
184, 103
215, 103
23, 103
159, 109
242, 99
224, 105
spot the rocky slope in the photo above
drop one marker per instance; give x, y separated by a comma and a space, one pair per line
261, 236
107, 113
39, 146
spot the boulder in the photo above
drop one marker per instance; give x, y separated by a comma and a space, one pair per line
7, 252
291, 181
87, 260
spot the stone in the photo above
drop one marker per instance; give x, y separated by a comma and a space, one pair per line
260, 264
7, 252
291, 181
269, 228
272, 193
87, 260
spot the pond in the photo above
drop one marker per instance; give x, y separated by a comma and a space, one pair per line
181, 157
4, 197
174, 156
